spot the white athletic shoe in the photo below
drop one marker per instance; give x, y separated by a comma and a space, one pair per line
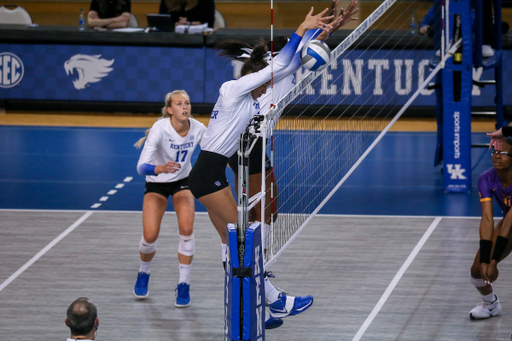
484, 310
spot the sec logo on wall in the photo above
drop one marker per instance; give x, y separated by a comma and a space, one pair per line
11, 70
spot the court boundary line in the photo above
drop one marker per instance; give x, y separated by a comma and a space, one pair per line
396, 279
45, 249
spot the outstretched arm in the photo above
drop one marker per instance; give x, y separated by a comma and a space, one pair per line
93, 20
251, 81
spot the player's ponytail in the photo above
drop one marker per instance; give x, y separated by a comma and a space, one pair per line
140, 142
254, 57
234, 49
257, 60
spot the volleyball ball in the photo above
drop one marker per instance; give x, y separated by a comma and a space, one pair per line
315, 55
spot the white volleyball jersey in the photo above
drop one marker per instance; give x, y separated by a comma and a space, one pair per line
164, 144
280, 89
235, 105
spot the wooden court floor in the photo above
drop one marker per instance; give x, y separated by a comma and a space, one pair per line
126, 120
373, 278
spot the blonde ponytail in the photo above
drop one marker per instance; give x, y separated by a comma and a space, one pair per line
140, 142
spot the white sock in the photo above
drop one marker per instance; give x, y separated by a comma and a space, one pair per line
144, 266
224, 252
270, 292
185, 273
489, 298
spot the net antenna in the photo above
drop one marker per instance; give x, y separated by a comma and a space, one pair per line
330, 121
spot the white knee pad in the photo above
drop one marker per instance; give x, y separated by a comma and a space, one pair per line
187, 245
477, 282
145, 247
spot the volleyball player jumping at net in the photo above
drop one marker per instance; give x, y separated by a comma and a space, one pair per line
165, 160
494, 240
236, 105
283, 83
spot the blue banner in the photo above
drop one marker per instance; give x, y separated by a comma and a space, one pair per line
146, 74
99, 73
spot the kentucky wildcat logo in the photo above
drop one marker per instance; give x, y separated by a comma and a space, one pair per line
90, 69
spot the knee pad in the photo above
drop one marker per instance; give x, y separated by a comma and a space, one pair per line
187, 245
477, 282
145, 247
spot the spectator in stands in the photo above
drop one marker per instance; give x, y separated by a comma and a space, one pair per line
487, 27
109, 13
427, 23
189, 12
82, 320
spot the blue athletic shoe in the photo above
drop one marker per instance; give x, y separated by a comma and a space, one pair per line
141, 286
272, 323
182, 295
289, 305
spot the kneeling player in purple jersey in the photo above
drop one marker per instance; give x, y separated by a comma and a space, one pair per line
495, 182
165, 160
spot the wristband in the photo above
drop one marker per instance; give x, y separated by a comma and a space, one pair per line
499, 248
485, 251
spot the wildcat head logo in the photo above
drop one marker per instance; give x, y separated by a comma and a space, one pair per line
90, 69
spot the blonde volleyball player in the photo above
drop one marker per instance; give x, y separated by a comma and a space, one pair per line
165, 161
236, 105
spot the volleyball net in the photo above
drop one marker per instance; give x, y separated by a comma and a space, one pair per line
319, 133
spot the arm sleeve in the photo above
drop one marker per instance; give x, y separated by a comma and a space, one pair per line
484, 189
295, 64
251, 81
148, 152
429, 18
507, 131
146, 169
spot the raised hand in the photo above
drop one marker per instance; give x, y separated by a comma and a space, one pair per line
348, 15
340, 19
496, 139
315, 21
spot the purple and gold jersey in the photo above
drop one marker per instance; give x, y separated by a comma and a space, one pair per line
489, 184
